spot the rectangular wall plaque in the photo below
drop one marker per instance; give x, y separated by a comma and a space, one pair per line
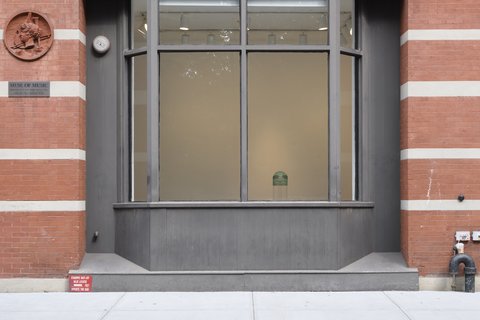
29, 89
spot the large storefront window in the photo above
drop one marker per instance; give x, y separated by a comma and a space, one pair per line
199, 126
288, 124
244, 100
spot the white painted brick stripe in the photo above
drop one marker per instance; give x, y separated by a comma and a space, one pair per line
440, 89
42, 206
68, 89
42, 154
444, 153
3, 89
440, 35
58, 89
70, 34
439, 205
64, 34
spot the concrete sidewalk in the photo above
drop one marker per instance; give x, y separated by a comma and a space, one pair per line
240, 305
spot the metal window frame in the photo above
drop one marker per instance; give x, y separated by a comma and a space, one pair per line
334, 50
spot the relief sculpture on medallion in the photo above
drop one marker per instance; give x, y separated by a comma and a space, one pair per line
28, 35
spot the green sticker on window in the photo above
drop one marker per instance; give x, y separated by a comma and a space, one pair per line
280, 178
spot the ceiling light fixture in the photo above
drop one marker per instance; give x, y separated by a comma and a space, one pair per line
144, 27
183, 24
323, 23
348, 25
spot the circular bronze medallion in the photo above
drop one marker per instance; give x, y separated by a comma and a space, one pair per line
28, 35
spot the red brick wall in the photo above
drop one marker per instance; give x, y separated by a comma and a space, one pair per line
440, 61
441, 14
427, 237
64, 14
441, 179
25, 123
440, 122
62, 62
42, 179
44, 244
37, 243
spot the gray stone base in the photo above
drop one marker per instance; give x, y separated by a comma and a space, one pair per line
375, 272
16, 285
432, 283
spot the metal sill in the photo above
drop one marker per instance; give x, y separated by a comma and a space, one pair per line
235, 204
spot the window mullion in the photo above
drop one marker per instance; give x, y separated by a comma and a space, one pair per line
153, 190
334, 102
244, 128
243, 107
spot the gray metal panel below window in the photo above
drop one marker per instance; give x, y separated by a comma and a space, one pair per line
245, 238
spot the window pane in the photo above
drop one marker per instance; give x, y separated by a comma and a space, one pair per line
200, 126
288, 126
348, 124
139, 128
139, 25
348, 24
199, 22
288, 22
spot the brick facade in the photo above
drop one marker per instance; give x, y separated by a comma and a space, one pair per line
38, 243
443, 122
41, 244
49, 243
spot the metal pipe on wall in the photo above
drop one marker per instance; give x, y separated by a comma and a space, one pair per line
470, 270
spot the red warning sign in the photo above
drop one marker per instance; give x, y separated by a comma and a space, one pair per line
80, 283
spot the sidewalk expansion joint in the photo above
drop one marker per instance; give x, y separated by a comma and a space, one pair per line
396, 304
113, 306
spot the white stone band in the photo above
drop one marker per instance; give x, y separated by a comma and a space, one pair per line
42, 154
64, 34
430, 283
3, 89
439, 205
444, 153
440, 89
440, 35
28, 285
58, 89
70, 34
42, 206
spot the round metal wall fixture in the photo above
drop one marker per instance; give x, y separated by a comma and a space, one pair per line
28, 35
101, 44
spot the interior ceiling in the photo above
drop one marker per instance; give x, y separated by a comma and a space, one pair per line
217, 18
139, 7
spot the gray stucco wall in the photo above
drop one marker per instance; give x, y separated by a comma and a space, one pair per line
102, 124
382, 107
